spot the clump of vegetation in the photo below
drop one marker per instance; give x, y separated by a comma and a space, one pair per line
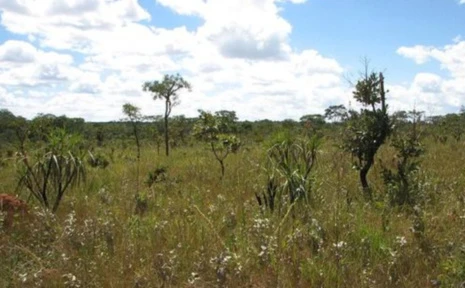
369, 128
215, 129
200, 232
289, 170
142, 204
157, 175
51, 171
97, 161
402, 182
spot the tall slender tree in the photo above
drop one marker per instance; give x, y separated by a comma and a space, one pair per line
167, 90
133, 115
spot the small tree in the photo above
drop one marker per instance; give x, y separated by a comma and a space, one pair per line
313, 122
167, 90
401, 182
228, 121
367, 130
181, 128
155, 130
22, 132
213, 129
134, 117
54, 169
337, 113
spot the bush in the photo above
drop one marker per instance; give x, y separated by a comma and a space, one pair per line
159, 174
289, 166
55, 168
97, 161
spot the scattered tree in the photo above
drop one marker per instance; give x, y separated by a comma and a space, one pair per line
133, 115
213, 129
400, 180
167, 90
337, 113
367, 130
313, 122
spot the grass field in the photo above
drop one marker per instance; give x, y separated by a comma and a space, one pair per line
192, 229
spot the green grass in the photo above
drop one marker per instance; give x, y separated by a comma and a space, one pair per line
199, 231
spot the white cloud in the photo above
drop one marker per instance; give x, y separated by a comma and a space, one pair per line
17, 52
87, 83
87, 58
250, 29
239, 59
420, 54
432, 90
451, 57
427, 83
24, 65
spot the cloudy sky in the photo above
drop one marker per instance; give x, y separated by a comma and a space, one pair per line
273, 59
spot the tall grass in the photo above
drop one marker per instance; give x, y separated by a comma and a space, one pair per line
198, 231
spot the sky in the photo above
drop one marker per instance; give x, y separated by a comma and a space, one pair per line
264, 59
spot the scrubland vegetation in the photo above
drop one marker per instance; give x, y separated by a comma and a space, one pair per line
353, 198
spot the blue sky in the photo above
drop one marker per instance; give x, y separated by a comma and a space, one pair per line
347, 30
262, 58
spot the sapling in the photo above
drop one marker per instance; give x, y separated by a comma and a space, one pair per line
401, 185
213, 129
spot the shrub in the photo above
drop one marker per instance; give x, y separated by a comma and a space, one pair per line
54, 170
289, 166
97, 161
402, 184
159, 174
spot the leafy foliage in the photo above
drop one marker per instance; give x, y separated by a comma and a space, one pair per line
313, 122
134, 116
157, 175
97, 161
368, 129
401, 182
290, 162
215, 130
337, 113
167, 90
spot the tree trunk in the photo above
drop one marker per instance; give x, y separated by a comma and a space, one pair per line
222, 168
364, 181
167, 147
363, 178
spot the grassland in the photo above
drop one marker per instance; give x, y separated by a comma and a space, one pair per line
199, 231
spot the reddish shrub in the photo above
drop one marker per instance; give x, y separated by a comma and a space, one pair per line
12, 207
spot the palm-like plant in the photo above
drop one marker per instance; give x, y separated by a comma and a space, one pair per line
55, 168
289, 167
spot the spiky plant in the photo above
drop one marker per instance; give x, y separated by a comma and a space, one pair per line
53, 169
289, 166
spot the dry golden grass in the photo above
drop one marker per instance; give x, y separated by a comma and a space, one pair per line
199, 231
